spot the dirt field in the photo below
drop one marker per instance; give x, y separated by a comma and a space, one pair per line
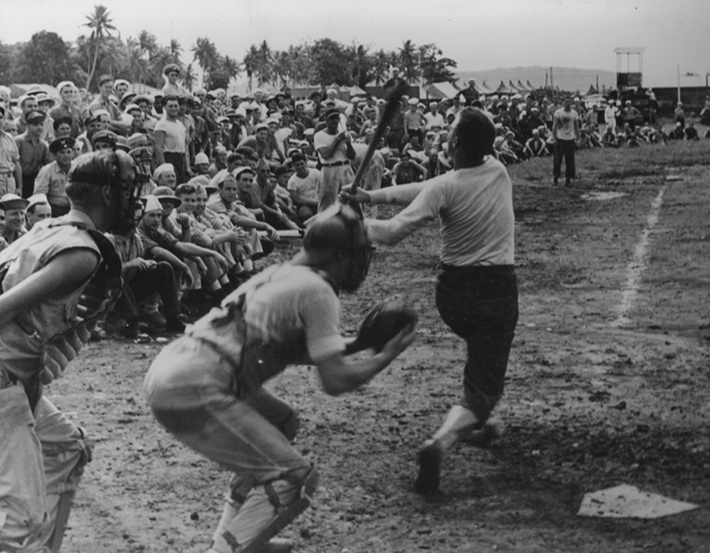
608, 383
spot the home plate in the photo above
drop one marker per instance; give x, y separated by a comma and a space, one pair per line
626, 501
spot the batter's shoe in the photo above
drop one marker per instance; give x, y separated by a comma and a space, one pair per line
430, 458
482, 437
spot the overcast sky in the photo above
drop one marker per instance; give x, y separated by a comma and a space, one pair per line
478, 34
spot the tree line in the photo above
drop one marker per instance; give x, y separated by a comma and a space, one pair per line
47, 58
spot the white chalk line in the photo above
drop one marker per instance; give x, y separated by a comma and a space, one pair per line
638, 264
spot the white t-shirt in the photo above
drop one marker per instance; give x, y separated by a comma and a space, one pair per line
305, 188
565, 124
475, 206
174, 135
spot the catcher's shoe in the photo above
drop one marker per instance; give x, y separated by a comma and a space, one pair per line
430, 458
284, 516
482, 437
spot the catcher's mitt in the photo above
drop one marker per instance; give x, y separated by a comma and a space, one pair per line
383, 322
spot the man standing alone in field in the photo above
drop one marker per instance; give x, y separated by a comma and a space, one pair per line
565, 133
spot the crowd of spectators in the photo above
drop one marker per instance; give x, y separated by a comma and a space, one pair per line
224, 176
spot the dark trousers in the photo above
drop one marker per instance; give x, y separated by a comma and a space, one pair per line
28, 185
480, 304
159, 278
564, 149
177, 160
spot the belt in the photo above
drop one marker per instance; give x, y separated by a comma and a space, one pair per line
474, 268
336, 164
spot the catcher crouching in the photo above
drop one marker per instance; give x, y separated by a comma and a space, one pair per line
56, 281
206, 388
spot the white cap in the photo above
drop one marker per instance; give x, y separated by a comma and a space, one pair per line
152, 204
201, 158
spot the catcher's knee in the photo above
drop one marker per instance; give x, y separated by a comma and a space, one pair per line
66, 461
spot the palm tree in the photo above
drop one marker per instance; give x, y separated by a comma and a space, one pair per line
232, 67
264, 62
205, 53
380, 70
137, 62
175, 50
362, 63
190, 77
147, 43
409, 61
101, 26
282, 67
250, 63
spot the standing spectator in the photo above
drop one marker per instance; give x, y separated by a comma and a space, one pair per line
52, 178
171, 86
34, 152
10, 168
565, 133
610, 114
434, 119
68, 107
170, 139
28, 104
335, 150
103, 102
414, 122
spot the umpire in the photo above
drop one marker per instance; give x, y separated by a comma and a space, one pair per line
476, 289
55, 279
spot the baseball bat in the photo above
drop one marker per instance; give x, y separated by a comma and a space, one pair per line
390, 107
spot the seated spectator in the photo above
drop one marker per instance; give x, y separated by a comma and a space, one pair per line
504, 154
691, 133
610, 139
226, 203
219, 162
164, 175
280, 178
258, 195
536, 146
407, 170
234, 243
202, 164
677, 132
38, 209
14, 207
143, 280
302, 186
161, 245
514, 146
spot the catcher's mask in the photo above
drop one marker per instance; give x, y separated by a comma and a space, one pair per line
104, 168
349, 238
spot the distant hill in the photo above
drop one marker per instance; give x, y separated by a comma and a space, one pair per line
566, 78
